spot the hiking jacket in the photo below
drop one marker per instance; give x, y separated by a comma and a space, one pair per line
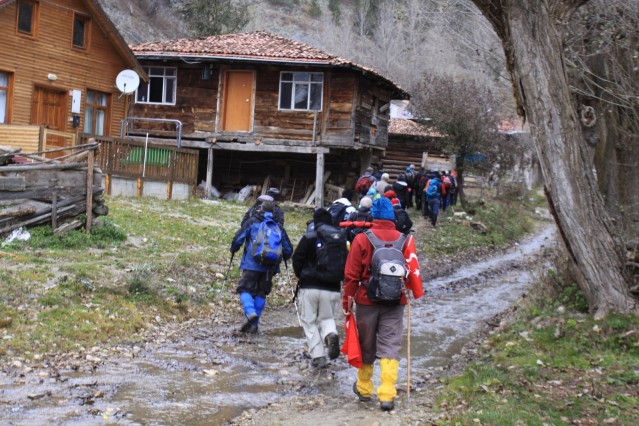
440, 188
245, 236
359, 259
304, 258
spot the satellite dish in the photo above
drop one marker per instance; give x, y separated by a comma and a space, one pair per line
127, 81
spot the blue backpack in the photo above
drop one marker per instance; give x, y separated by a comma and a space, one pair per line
433, 188
266, 247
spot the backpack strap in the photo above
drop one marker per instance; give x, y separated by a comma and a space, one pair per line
377, 243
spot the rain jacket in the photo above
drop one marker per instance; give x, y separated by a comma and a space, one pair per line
245, 236
359, 261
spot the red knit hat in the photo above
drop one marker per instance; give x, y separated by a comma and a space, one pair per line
390, 194
394, 201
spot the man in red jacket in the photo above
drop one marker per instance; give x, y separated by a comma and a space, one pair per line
380, 326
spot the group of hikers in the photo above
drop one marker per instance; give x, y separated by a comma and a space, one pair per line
362, 258
427, 191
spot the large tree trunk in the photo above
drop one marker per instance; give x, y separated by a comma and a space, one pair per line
534, 56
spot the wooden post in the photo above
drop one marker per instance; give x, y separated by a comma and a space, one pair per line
209, 174
90, 161
319, 180
169, 184
54, 211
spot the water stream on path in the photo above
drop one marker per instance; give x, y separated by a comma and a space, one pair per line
212, 375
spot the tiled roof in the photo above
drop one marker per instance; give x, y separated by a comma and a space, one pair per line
401, 126
256, 46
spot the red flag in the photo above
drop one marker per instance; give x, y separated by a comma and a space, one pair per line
351, 347
414, 279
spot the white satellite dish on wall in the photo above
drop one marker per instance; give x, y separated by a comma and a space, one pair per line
127, 81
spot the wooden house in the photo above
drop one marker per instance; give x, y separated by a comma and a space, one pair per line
261, 106
59, 60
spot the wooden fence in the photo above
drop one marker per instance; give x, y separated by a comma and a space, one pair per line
137, 160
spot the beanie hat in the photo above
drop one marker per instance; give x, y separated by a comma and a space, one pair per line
383, 209
265, 198
320, 216
366, 202
390, 194
395, 201
408, 169
385, 177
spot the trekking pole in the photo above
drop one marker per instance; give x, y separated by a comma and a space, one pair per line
299, 320
408, 351
228, 271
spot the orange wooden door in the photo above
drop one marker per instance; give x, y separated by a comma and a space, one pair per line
238, 101
49, 110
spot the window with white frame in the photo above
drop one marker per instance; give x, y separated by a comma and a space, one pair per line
96, 113
5, 94
301, 91
161, 86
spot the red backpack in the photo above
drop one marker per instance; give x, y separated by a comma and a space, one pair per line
446, 181
362, 185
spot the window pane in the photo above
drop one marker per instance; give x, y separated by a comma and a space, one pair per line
99, 122
142, 92
319, 77
287, 76
316, 97
102, 99
3, 106
4, 80
301, 96
285, 95
78, 32
155, 92
25, 17
169, 71
302, 76
170, 90
88, 120
90, 96
156, 71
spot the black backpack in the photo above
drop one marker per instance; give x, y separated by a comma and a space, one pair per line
388, 270
338, 212
331, 253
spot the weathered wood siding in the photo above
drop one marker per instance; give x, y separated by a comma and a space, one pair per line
31, 59
371, 124
23, 137
195, 103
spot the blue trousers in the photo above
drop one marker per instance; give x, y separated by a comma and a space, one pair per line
252, 305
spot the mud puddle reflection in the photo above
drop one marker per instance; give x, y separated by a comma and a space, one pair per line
212, 375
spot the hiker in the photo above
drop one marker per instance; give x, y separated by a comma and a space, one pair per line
418, 187
401, 189
318, 263
455, 189
365, 182
360, 219
447, 186
379, 314
271, 195
410, 181
258, 264
403, 223
379, 173
340, 210
432, 196
383, 184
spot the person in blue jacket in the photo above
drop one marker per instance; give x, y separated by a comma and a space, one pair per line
256, 280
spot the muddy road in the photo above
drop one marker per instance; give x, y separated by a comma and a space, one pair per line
208, 374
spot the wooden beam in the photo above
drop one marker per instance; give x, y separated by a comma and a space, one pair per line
12, 183
209, 174
89, 199
319, 180
251, 147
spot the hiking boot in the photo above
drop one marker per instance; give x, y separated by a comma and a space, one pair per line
387, 405
319, 362
332, 342
252, 329
251, 319
359, 395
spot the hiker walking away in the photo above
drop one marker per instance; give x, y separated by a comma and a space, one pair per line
318, 263
380, 299
340, 210
360, 219
401, 189
455, 188
418, 187
447, 186
403, 223
365, 182
383, 184
378, 174
265, 245
410, 181
272, 194
432, 195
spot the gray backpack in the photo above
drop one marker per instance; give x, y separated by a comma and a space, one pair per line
388, 270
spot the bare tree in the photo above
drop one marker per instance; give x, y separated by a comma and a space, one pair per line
213, 17
468, 115
533, 48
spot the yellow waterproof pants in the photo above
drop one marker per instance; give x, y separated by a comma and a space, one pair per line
364, 380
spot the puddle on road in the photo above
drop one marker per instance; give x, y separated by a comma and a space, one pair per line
213, 375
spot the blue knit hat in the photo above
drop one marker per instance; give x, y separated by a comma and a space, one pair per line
383, 209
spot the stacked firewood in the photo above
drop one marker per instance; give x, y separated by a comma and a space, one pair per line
36, 190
